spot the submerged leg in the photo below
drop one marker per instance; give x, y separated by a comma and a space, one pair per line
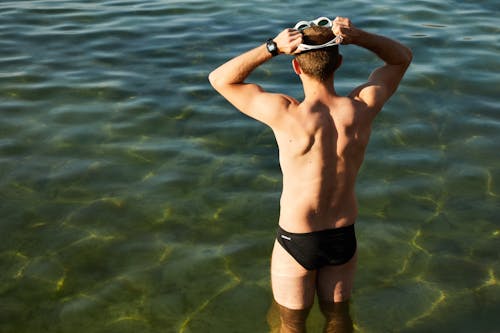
338, 318
273, 318
293, 321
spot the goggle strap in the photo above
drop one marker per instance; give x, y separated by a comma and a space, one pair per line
336, 41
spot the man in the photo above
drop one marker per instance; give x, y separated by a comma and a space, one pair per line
322, 142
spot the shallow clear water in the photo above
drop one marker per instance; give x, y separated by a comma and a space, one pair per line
135, 199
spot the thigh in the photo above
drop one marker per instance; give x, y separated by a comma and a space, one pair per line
293, 286
335, 282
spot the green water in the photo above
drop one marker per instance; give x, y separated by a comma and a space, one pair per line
135, 199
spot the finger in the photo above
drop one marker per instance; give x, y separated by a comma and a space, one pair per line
338, 26
296, 39
343, 21
293, 31
345, 30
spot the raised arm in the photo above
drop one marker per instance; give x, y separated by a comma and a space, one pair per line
251, 99
384, 80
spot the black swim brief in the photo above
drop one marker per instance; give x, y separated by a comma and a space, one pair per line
314, 250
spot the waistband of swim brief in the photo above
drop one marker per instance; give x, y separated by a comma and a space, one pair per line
340, 230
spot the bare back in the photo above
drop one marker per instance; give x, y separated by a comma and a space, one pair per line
322, 147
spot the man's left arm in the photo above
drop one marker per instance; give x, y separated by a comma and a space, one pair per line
251, 99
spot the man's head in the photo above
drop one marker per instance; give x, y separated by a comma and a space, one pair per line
320, 64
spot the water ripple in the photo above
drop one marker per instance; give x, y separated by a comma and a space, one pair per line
129, 188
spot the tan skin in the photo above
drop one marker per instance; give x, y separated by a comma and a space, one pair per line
322, 142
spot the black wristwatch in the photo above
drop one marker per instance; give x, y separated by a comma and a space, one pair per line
272, 47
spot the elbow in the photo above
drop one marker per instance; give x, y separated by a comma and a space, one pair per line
405, 58
409, 57
214, 80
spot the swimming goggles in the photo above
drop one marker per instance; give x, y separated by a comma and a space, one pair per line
320, 22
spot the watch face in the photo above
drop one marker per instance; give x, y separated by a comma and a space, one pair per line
271, 47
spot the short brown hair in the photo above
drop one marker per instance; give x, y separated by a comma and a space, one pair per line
320, 63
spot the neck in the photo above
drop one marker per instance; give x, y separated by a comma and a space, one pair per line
317, 90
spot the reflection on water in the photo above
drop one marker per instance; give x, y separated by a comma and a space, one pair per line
134, 199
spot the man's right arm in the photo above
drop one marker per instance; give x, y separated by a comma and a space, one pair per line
384, 80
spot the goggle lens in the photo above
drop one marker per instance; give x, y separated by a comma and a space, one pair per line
301, 25
323, 22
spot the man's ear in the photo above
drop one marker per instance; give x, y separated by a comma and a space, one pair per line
296, 67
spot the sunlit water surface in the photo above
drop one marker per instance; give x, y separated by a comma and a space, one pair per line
135, 199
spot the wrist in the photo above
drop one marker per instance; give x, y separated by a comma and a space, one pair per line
360, 37
272, 47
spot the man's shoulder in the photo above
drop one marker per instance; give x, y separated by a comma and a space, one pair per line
352, 111
276, 100
348, 104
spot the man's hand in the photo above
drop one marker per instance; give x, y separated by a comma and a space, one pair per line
344, 28
288, 41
